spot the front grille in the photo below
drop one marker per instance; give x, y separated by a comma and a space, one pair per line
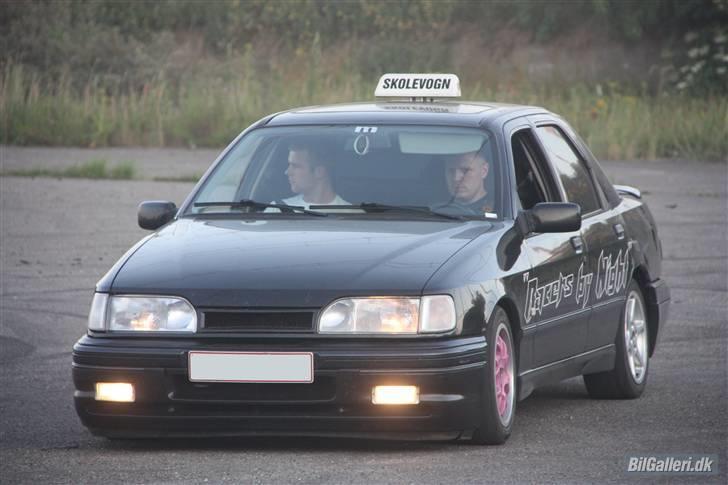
323, 389
257, 321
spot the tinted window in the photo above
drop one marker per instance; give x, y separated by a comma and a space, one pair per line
599, 175
569, 168
529, 185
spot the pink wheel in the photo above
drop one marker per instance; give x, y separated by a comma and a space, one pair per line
499, 388
504, 375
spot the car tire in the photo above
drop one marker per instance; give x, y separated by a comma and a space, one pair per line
629, 377
498, 397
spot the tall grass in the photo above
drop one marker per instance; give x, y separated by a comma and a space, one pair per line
209, 109
93, 169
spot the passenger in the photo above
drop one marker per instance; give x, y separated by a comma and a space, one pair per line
309, 175
466, 174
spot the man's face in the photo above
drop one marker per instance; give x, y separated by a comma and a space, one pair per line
465, 174
301, 176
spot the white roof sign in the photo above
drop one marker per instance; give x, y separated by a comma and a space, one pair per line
418, 86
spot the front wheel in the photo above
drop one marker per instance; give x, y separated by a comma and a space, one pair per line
628, 378
498, 404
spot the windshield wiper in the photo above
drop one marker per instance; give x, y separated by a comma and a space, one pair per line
377, 207
253, 204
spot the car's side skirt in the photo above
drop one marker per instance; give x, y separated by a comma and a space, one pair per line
596, 360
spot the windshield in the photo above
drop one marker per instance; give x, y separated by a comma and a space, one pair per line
356, 170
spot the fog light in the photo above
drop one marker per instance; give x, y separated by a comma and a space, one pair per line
114, 391
396, 395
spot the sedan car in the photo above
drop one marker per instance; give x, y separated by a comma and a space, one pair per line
412, 266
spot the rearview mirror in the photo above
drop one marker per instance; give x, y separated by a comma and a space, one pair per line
550, 217
153, 214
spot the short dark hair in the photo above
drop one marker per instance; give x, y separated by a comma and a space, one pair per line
319, 152
475, 154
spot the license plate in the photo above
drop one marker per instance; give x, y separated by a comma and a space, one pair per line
278, 367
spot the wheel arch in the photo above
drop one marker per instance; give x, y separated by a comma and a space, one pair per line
642, 277
511, 310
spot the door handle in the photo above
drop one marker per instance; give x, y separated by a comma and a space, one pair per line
578, 243
619, 230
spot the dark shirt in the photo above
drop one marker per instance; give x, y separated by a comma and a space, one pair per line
482, 205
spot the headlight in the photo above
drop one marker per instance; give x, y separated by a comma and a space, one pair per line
389, 316
142, 314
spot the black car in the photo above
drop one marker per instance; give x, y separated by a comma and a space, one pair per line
411, 266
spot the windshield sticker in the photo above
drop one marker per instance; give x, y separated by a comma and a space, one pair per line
365, 129
361, 145
611, 279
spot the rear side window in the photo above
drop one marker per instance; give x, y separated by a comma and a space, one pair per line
569, 168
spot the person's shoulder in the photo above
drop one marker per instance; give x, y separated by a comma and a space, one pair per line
289, 201
338, 200
295, 200
484, 204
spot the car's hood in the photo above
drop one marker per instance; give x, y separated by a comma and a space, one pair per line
292, 263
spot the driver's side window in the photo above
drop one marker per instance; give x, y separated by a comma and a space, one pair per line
533, 184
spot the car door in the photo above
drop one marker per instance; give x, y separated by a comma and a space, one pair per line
602, 230
554, 315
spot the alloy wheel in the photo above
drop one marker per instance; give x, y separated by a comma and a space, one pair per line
635, 337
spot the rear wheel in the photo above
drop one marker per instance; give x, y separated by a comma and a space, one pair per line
498, 403
629, 377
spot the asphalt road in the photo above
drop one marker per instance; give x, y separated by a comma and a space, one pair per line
58, 237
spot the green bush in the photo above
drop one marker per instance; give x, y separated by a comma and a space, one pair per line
123, 171
93, 169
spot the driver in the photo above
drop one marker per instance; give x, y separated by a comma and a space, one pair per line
309, 175
465, 174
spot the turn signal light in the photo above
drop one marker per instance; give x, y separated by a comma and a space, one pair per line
114, 391
396, 395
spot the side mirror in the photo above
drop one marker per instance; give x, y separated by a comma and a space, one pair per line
153, 214
550, 217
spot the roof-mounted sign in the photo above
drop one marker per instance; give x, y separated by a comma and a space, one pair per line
418, 86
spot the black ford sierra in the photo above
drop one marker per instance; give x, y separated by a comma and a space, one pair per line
411, 266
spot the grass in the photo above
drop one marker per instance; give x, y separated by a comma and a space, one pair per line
211, 109
93, 169
181, 178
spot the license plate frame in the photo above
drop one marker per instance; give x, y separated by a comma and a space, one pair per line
250, 367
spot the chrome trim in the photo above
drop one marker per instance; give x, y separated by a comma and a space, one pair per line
555, 319
628, 190
609, 302
605, 347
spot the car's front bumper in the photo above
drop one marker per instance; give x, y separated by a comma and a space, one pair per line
449, 372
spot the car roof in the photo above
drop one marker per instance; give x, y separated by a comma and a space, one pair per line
458, 113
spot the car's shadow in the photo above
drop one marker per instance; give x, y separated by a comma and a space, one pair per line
278, 443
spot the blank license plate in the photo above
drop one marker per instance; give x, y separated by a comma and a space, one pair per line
251, 366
